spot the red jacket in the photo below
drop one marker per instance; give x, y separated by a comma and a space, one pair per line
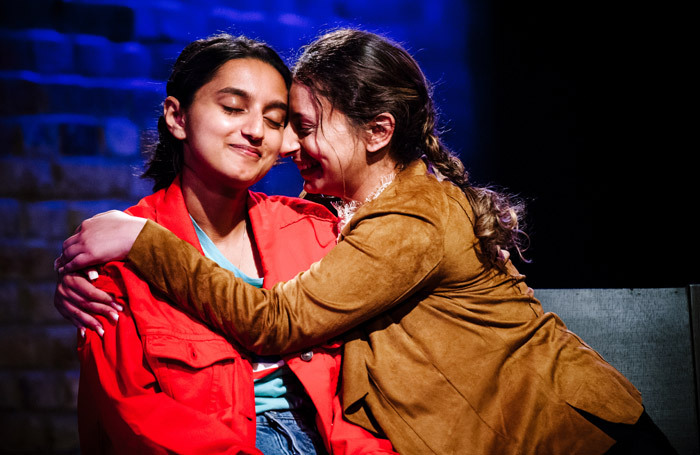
160, 382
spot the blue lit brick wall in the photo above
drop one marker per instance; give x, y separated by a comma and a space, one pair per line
81, 84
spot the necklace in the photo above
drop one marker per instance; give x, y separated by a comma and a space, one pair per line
346, 210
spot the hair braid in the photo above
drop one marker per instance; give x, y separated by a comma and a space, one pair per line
362, 75
438, 155
496, 214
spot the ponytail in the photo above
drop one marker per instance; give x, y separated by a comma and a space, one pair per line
166, 158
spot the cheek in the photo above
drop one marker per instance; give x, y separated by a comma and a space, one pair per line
320, 150
274, 145
308, 146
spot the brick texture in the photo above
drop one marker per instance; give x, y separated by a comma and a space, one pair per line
81, 84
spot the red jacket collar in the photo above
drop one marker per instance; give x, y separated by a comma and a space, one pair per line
289, 233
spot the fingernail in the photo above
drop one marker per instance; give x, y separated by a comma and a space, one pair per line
100, 331
92, 275
82, 332
117, 306
114, 316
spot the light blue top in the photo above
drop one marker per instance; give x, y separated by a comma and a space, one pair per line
279, 390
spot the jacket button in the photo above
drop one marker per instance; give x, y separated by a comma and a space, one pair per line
307, 356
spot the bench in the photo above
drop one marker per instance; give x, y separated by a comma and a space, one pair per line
652, 337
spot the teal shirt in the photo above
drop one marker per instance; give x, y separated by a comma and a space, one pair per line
279, 390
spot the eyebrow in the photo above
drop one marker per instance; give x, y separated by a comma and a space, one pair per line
243, 94
296, 116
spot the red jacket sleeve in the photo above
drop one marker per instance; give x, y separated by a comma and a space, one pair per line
121, 407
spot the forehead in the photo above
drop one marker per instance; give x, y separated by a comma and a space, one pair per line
257, 78
304, 105
301, 101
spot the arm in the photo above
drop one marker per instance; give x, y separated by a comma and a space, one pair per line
120, 391
380, 263
76, 299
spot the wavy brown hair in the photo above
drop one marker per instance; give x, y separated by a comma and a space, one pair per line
362, 75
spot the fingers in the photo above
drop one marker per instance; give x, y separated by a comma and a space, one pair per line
77, 317
72, 240
69, 250
87, 306
81, 287
75, 300
78, 262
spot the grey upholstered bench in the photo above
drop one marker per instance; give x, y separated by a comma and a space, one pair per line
651, 336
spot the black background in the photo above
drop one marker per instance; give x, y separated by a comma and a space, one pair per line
588, 114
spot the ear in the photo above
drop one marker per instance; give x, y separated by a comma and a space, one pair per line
174, 117
380, 131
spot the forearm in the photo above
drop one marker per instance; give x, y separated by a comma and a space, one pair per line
358, 279
216, 297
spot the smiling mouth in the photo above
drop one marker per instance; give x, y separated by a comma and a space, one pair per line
307, 168
246, 150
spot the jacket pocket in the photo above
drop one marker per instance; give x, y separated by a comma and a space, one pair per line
197, 372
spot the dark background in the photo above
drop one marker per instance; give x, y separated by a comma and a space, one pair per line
586, 113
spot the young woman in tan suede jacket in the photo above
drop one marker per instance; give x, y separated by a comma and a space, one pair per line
447, 351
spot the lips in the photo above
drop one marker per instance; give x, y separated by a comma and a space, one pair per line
308, 168
246, 150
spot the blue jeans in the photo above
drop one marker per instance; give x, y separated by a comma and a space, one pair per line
288, 433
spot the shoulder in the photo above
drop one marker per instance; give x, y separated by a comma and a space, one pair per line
415, 193
286, 219
147, 207
289, 210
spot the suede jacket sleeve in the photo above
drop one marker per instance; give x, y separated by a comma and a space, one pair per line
121, 405
390, 249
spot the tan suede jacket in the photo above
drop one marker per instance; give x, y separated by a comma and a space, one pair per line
442, 355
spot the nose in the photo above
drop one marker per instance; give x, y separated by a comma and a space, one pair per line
253, 128
290, 142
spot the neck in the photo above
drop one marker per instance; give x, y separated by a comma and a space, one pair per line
219, 212
374, 175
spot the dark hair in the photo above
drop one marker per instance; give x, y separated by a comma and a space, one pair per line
196, 65
362, 74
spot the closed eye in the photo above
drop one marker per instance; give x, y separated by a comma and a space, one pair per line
274, 124
231, 110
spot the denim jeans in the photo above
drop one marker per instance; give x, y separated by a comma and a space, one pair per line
288, 433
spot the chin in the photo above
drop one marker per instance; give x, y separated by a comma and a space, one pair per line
309, 187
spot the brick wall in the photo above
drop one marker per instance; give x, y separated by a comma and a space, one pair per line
80, 84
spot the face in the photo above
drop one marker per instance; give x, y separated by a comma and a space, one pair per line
330, 155
233, 130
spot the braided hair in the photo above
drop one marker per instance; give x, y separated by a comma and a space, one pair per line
362, 75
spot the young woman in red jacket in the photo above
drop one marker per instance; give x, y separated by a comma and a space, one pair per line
154, 380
